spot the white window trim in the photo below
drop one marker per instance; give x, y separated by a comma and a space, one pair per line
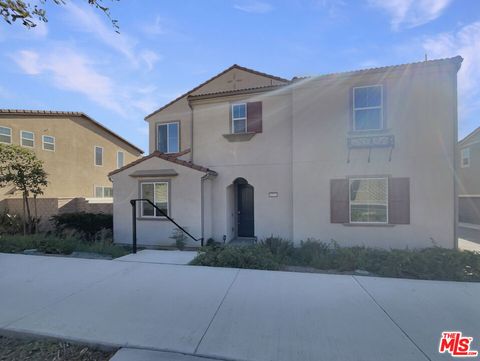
382, 126
373, 204
462, 157
21, 139
118, 152
11, 137
154, 200
245, 118
43, 143
103, 192
168, 140
95, 156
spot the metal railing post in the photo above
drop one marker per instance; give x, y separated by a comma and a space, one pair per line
134, 225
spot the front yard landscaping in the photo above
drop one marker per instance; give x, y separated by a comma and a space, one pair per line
14, 349
276, 254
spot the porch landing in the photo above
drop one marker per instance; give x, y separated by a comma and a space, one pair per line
159, 256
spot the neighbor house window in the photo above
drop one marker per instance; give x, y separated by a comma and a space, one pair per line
98, 156
120, 159
239, 118
168, 137
465, 158
157, 193
103, 192
27, 139
368, 108
368, 200
5, 135
48, 143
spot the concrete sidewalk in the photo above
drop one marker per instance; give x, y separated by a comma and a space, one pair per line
233, 314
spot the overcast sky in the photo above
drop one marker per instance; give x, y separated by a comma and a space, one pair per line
77, 62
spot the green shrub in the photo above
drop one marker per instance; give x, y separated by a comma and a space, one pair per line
253, 257
281, 249
180, 238
86, 225
10, 223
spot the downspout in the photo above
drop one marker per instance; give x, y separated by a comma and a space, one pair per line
191, 129
207, 176
455, 151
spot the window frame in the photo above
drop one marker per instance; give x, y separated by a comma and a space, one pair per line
381, 107
167, 124
95, 156
350, 200
53, 143
123, 159
154, 182
103, 191
462, 157
11, 136
241, 118
21, 139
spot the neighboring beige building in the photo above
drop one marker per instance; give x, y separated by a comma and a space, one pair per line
362, 157
469, 178
77, 151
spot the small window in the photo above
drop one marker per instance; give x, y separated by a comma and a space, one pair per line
27, 139
239, 118
156, 192
368, 200
48, 143
103, 192
465, 162
168, 137
5, 135
120, 159
368, 108
98, 156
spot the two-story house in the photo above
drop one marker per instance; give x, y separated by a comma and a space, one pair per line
362, 157
469, 178
77, 151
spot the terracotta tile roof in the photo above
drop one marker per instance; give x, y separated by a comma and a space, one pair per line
234, 66
238, 91
67, 113
168, 157
469, 136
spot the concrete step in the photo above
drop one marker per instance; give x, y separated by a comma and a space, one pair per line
131, 354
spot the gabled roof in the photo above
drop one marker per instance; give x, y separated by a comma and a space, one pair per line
168, 157
469, 136
234, 66
67, 113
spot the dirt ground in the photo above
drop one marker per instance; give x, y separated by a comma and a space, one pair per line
41, 350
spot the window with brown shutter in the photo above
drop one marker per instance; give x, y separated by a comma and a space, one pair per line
339, 204
254, 117
399, 200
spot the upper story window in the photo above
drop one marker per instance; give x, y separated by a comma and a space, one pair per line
368, 108
5, 135
168, 137
157, 193
239, 118
98, 156
27, 139
103, 192
120, 159
368, 200
465, 161
48, 143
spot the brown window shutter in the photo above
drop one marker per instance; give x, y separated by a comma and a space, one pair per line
339, 212
399, 200
254, 117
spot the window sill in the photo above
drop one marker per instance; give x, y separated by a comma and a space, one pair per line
370, 132
368, 224
152, 219
239, 137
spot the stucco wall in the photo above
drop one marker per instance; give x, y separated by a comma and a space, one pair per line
185, 204
469, 177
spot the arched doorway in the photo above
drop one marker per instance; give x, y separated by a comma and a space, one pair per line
244, 202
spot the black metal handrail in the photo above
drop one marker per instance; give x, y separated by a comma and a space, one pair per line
133, 202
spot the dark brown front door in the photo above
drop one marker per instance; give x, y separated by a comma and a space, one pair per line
245, 219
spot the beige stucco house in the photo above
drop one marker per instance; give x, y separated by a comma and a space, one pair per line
78, 152
362, 157
469, 178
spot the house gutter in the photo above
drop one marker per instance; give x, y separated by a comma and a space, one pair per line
207, 176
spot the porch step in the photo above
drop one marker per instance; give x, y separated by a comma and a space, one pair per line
240, 241
131, 354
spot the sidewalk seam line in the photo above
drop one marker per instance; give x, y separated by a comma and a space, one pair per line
216, 311
391, 318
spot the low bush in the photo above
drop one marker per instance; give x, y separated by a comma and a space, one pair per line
253, 257
86, 225
10, 223
431, 263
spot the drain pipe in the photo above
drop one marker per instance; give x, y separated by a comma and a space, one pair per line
209, 175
